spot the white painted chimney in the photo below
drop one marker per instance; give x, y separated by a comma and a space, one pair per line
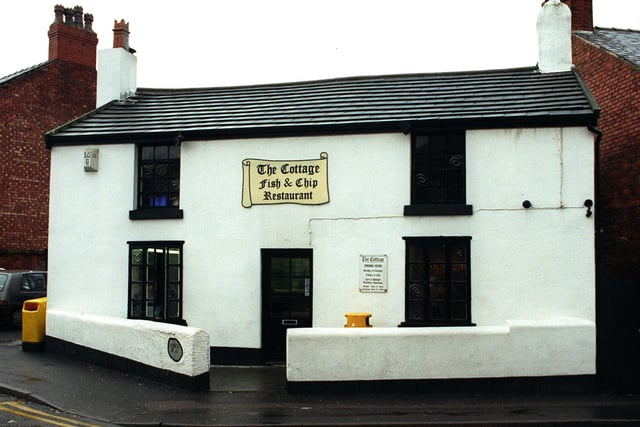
117, 68
554, 37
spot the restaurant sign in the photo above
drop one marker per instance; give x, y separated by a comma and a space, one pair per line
271, 182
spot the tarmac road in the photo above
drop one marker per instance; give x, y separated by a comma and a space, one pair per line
19, 413
252, 396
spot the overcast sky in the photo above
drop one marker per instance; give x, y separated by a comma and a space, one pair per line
201, 43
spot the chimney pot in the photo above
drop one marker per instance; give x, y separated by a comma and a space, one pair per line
68, 16
121, 34
59, 12
77, 17
88, 22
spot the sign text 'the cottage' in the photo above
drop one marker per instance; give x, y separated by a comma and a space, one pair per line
270, 182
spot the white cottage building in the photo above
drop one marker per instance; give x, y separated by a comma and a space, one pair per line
239, 225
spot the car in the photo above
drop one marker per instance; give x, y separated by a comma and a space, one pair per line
16, 286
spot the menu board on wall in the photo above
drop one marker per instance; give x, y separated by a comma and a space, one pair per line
271, 182
373, 273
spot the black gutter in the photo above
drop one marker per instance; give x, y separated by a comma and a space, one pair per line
597, 236
596, 217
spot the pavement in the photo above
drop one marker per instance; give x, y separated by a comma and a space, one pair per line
258, 396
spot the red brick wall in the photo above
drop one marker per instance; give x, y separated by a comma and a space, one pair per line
31, 105
615, 84
23, 260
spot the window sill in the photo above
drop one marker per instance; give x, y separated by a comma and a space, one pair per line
156, 213
433, 324
180, 322
435, 210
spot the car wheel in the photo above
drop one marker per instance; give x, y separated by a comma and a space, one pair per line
6, 320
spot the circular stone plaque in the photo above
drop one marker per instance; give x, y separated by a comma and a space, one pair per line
175, 349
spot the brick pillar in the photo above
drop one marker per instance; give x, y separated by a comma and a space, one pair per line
581, 14
71, 37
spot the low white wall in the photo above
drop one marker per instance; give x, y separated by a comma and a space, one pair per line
142, 341
520, 348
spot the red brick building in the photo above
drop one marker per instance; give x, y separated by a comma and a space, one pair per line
33, 101
608, 59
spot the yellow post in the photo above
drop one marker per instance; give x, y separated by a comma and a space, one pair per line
358, 320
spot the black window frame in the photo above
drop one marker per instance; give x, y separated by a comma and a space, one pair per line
157, 182
33, 282
435, 257
150, 280
438, 174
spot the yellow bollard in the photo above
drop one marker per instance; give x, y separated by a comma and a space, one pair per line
33, 324
358, 320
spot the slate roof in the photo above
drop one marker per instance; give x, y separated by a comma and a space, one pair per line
623, 43
17, 74
517, 97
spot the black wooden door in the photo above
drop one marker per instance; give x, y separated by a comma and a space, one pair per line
618, 326
286, 298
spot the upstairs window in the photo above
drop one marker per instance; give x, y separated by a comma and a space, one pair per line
155, 281
438, 174
158, 186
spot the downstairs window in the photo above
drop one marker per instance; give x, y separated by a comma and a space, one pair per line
438, 281
155, 281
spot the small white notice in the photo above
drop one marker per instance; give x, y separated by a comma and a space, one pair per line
373, 273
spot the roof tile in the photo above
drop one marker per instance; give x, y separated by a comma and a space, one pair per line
374, 103
624, 43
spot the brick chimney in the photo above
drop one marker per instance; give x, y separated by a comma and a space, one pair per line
71, 37
581, 14
117, 67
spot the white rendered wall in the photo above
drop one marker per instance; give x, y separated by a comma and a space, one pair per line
526, 264
224, 252
88, 229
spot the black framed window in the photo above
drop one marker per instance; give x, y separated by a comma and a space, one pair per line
438, 174
34, 282
155, 281
438, 281
158, 185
